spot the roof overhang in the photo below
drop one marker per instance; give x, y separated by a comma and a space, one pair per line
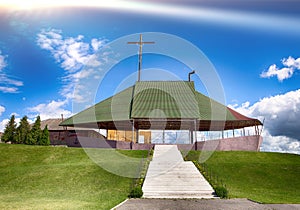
170, 124
171, 105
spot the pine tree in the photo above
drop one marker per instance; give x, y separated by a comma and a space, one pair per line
10, 131
45, 140
30, 140
23, 130
36, 131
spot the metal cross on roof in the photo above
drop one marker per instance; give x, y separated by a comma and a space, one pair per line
140, 43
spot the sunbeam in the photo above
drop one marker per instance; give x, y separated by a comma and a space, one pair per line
204, 14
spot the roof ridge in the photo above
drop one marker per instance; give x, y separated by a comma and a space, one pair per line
166, 81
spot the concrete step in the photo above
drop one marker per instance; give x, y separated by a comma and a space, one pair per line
180, 194
177, 189
178, 186
167, 177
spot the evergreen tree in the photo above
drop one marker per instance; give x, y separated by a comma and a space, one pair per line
29, 139
45, 140
36, 131
10, 131
23, 130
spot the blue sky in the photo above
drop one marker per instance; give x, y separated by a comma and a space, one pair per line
253, 45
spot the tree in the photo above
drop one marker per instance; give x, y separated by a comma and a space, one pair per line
30, 140
45, 140
22, 131
36, 131
10, 131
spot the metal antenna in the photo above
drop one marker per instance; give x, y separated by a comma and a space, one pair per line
140, 43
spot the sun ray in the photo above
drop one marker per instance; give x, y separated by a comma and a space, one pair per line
237, 18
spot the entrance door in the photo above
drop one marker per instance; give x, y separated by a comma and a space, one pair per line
141, 140
170, 137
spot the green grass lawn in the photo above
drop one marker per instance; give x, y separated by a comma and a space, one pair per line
260, 176
37, 177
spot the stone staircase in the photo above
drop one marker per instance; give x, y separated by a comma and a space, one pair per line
169, 176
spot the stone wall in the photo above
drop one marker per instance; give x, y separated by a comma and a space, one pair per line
243, 143
142, 146
132, 146
70, 137
186, 147
125, 145
88, 142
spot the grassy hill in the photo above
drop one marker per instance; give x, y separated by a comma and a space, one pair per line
36, 177
260, 176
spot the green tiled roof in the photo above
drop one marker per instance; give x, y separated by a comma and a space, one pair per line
206, 105
159, 100
175, 99
116, 108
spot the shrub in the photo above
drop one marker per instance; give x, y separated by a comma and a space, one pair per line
221, 192
136, 192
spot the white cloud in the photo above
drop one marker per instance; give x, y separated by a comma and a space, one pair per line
282, 114
290, 65
280, 144
5, 79
53, 109
79, 75
3, 63
97, 44
2, 109
14, 113
71, 52
3, 124
73, 55
78, 59
8, 89
7, 84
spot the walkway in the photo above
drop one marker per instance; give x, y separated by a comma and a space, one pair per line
204, 204
169, 176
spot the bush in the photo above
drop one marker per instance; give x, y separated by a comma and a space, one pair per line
221, 192
136, 192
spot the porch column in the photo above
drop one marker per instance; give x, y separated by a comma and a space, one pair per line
137, 136
192, 136
133, 139
195, 130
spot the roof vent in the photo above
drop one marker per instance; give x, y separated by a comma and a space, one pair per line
192, 72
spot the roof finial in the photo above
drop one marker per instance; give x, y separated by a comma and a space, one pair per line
140, 43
